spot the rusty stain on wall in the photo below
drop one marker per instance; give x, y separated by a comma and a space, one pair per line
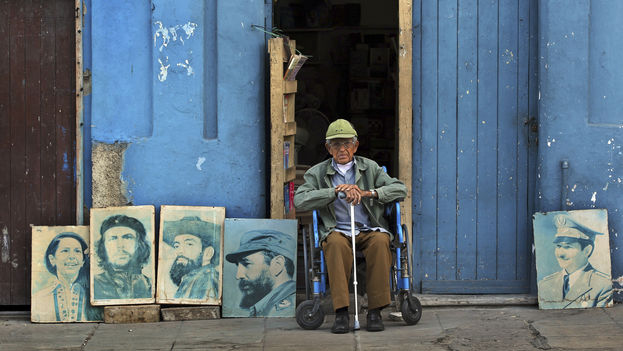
109, 188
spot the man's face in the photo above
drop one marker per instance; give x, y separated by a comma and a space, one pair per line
255, 280
68, 258
342, 149
571, 256
120, 244
189, 254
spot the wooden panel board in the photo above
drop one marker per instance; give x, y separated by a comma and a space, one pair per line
428, 249
446, 132
5, 157
487, 140
123, 255
18, 226
132, 314
467, 119
190, 255
507, 142
476, 286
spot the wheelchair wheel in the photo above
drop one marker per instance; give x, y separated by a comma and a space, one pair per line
306, 319
411, 309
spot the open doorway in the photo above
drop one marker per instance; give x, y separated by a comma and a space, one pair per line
352, 73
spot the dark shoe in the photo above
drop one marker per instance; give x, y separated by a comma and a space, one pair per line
341, 324
374, 321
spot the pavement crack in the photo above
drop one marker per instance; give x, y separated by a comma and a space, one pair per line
86, 340
538, 340
605, 310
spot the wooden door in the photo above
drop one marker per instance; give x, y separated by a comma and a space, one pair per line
476, 87
37, 131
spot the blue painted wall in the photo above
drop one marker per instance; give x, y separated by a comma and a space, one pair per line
182, 82
580, 109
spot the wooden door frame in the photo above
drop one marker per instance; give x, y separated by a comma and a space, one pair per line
405, 107
79, 25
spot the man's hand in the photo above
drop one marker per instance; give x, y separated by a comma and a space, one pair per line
353, 193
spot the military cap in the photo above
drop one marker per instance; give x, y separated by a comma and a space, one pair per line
206, 231
340, 128
264, 239
568, 228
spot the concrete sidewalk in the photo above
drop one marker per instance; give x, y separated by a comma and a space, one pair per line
441, 328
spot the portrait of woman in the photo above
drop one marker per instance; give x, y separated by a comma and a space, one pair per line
65, 297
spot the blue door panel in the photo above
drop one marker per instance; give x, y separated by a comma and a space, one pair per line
580, 112
182, 83
472, 153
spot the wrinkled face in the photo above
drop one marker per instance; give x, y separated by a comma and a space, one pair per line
120, 244
68, 258
571, 256
187, 248
342, 149
254, 277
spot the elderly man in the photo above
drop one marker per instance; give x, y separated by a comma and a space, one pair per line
193, 241
368, 188
578, 284
122, 251
265, 261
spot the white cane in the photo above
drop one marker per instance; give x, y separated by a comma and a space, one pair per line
352, 236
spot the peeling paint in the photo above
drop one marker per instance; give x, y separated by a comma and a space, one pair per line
109, 189
200, 161
594, 197
186, 65
5, 244
162, 76
169, 34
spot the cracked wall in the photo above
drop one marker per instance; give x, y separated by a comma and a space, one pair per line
109, 188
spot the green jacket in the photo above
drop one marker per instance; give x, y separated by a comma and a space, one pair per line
318, 193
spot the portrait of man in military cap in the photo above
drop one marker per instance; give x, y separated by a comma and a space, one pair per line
573, 259
190, 255
123, 240
261, 268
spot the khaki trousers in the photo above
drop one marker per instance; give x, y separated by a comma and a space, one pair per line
339, 258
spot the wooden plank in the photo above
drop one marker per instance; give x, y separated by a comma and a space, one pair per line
290, 173
190, 313
446, 140
132, 314
487, 138
477, 300
467, 116
5, 156
523, 229
276, 128
18, 228
48, 116
66, 114
428, 249
475, 286
413, 208
507, 141
33, 128
533, 91
405, 108
79, 186
290, 128
289, 86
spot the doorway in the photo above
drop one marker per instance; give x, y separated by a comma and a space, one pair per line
351, 73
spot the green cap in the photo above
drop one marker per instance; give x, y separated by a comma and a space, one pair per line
340, 128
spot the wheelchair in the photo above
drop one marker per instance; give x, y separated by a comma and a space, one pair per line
309, 313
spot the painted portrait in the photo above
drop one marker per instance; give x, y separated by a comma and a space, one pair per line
123, 269
190, 255
60, 275
573, 259
259, 268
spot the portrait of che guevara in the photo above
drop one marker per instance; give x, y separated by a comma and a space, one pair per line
124, 266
